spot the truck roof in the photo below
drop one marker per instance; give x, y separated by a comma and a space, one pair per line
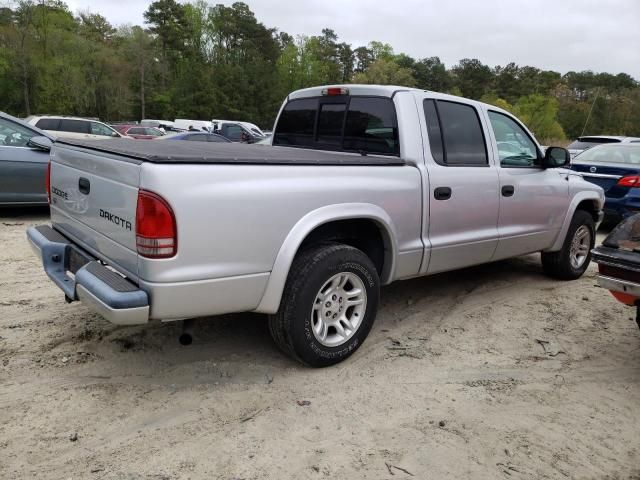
224, 153
383, 91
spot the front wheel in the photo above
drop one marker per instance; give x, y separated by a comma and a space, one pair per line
573, 259
328, 305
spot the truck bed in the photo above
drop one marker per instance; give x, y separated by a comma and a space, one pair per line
180, 151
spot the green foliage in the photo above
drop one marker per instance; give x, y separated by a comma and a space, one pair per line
385, 72
539, 113
199, 60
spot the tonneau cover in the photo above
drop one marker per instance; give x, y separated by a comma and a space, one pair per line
181, 151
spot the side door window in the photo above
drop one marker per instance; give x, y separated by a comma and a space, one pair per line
136, 131
233, 132
14, 135
99, 129
74, 126
153, 132
196, 137
48, 124
515, 147
455, 134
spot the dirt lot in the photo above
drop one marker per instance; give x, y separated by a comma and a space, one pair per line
493, 372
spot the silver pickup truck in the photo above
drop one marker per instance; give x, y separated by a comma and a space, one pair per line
363, 185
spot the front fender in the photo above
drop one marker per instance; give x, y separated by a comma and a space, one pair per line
579, 197
271, 298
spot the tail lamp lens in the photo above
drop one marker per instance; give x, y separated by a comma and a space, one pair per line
629, 181
156, 233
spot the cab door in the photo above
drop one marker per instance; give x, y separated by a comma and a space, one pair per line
533, 200
463, 196
22, 169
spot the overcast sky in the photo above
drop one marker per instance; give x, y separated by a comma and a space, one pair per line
561, 35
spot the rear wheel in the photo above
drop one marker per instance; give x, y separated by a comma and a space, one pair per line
573, 259
328, 305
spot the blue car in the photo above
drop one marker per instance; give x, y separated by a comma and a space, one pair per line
616, 168
196, 137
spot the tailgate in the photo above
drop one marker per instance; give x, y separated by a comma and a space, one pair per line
93, 201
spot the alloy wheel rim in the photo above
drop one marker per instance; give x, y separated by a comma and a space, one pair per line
338, 309
580, 246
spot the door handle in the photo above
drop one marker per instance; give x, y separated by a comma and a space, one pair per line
508, 191
442, 193
84, 185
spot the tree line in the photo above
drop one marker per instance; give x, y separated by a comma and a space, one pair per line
203, 61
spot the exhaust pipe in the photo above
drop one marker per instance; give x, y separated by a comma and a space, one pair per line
186, 337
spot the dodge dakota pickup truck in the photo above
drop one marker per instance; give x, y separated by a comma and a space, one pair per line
362, 185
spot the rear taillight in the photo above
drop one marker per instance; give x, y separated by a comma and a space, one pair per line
630, 181
47, 182
156, 233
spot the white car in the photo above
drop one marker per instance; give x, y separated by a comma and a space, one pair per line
586, 142
73, 127
199, 125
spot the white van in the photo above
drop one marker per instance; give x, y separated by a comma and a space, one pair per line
73, 127
201, 125
252, 127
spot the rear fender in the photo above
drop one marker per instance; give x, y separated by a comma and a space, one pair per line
271, 298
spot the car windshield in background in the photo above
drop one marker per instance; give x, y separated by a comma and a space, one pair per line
585, 143
626, 153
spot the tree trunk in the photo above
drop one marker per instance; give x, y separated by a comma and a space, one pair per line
142, 106
25, 86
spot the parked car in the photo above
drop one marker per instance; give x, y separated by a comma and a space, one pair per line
360, 189
196, 137
618, 260
139, 132
586, 142
616, 168
73, 127
23, 165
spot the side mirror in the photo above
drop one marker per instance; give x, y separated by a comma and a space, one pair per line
116, 135
556, 157
43, 143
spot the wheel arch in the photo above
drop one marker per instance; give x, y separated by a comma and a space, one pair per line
587, 201
312, 228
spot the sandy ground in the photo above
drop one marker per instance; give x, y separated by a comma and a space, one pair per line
492, 372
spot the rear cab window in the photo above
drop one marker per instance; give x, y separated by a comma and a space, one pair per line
341, 123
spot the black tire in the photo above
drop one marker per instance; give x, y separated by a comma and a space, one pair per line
291, 327
558, 264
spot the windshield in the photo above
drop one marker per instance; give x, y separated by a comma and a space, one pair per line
611, 154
